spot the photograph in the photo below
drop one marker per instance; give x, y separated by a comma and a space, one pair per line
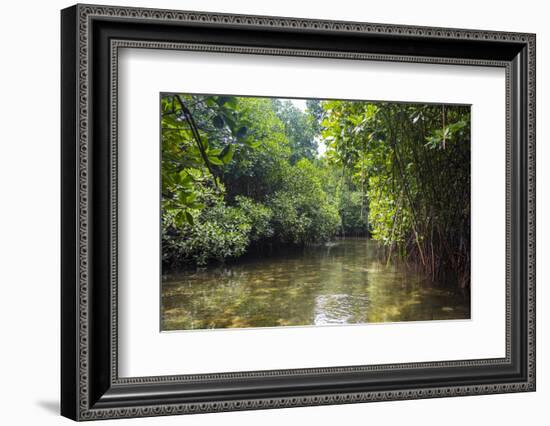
272, 208
308, 212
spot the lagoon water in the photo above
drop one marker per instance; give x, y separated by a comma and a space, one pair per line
342, 282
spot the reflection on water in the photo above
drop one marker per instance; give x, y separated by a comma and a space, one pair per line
342, 282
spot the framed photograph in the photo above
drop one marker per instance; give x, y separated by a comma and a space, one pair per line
263, 212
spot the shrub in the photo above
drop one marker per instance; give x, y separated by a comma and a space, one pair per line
302, 213
219, 232
258, 216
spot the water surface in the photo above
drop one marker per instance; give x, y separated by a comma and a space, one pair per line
342, 282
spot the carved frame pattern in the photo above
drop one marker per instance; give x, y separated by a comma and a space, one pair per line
85, 14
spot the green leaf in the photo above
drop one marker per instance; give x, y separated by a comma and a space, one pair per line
253, 145
189, 197
218, 122
216, 161
189, 218
196, 206
185, 178
227, 153
215, 151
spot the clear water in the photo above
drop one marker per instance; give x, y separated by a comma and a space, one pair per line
342, 282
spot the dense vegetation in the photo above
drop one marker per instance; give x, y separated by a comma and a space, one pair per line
243, 174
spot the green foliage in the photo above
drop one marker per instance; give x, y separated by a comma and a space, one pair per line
353, 209
315, 114
302, 213
239, 172
216, 233
300, 129
258, 216
412, 162
255, 165
220, 234
199, 136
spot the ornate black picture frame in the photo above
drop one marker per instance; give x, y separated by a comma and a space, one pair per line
91, 36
